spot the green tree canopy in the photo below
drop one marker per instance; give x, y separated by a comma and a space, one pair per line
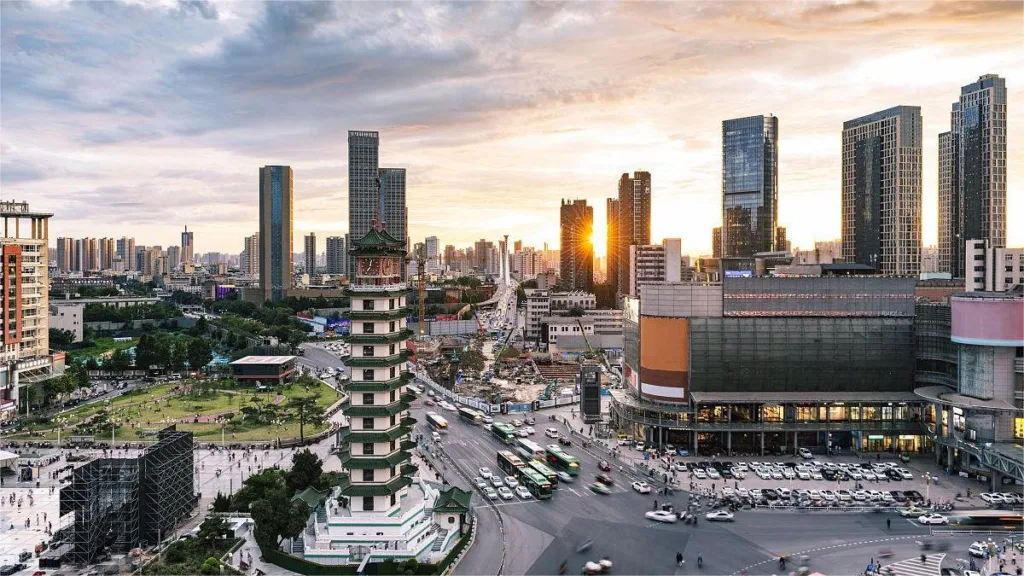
306, 470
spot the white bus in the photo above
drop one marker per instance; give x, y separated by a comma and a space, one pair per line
437, 422
529, 449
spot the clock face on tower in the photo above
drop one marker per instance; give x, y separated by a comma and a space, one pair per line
389, 267
369, 267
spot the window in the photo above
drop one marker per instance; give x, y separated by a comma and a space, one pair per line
368, 374
367, 304
392, 445
368, 399
391, 350
393, 372
367, 423
367, 327
393, 499
368, 449
391, 304
451, 519
392, 419
368, 351
391, 326
368, 475
368, 503
392, 395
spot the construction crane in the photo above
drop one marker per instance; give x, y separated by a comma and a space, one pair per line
421, 284
590, 349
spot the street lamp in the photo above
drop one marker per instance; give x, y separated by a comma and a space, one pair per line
61, 421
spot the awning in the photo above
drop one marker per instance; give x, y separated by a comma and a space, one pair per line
8, 459
947, 396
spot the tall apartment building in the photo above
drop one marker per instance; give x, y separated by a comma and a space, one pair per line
373, 192
187, 246
173, 256
781, 241
65, 254
105, 254
152, 261
337, 255
654, 263
432, 248
309, 254
972, 173
881, 183
577, 251
634, 221
125, 249
249, 260
276, 215
140, 258
750, 185
24, 356
612, 242
992, 269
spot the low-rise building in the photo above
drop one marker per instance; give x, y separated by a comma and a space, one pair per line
574, 299
263, 370
68, 315
538, 306
993, 269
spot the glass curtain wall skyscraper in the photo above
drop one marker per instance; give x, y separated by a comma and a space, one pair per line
370, 186
881, 203
972, 173
634, 227
577, 249
275, 231
750, 185
612, 241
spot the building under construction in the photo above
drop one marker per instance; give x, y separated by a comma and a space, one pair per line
123, 503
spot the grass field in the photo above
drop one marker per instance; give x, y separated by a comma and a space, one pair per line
102, 346
140, 412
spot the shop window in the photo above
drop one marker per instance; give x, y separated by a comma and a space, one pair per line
772, 414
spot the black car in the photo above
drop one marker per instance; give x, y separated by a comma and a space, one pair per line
828, 474
898, 496
604, 479
770, 494
893, 474
726, 473
564, 441
913, 495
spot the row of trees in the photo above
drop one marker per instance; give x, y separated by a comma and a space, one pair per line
104, 313
173, 352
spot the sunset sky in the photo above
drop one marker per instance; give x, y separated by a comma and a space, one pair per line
137, 118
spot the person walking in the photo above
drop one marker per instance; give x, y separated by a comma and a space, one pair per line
888, 523
679, 559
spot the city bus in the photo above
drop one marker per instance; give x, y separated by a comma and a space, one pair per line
504, 432
471, 415
544, 471
529, 449
561, 461
437, 422
535, 483
509, 462
988, 520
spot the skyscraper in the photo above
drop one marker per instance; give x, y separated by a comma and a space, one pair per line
750, 185
187, 246
432, 248
336, 253
373, 192
612, 242
972, 173
173, 256
309, 254
249, 261
125, 248
634, 221
882, 190
716, 242
577, 249
65, 251
275, 231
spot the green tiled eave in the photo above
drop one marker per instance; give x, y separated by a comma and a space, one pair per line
407, 445
350, 489
409, 469
379, 361
374, 462
360, 315
373, 411
391, 338
379, 386
347, 434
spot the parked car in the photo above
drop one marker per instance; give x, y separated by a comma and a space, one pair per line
805, 454
480, 482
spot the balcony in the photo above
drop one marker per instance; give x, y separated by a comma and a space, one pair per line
373, 410
380, 290
1018, 365
396, 314
387, 338
379, 361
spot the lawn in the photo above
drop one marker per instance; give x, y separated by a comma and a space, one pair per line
139, 413
101, 347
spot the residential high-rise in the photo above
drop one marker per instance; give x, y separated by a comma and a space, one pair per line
781, 242
716, 242
449, 255
276, 194
517, 245
972, 173
24, 305
140, 258
105, 254
187, 247
432, 248
173, 255
373, 192
992, 269
65, 252
577, 249
309, 254
881, 183
337, 255
125, 249
634, 221
750, 185
612, 242
249, 261
654, 263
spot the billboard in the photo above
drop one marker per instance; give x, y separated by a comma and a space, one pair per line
665, 358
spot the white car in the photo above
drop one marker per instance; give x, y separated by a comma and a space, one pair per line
764, 474
803, 475
551, 433
496, 481
860, 495
814, 494
517, 423
828, 495
855, 474
511, 482
480, 482
868, 475
743, 492
491, 494
662, 516
905, 473
530, 430
522, 433
719, 516
933, 519
713, 474
977, 549
776, 475
485, 472
505, 493
742, 467
816, 475
700, 474
805, 454
523, 493
642, 487
739, 475
788, 473
728, 491
992, 497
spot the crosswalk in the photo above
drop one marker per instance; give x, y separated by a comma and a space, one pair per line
914, 567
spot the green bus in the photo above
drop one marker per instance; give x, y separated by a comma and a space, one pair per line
504, 432
535, 483
559, 460
509, 463
544, 471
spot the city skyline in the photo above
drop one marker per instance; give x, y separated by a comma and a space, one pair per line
74, 147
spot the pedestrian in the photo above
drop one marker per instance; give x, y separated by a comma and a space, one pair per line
655, 505
888, 523
679, 558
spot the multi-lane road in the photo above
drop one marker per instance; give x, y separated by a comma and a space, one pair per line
535, 537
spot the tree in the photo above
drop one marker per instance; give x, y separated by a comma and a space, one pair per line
306, 471
221, 503
211, 530
60, 338
575, 312
211, 566
307, 411
201, 326
119, 361
78, 374
277, 517
179, 354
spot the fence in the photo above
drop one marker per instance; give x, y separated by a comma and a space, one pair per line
494, 408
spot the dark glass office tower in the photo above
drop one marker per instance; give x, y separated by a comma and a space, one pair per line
750, 183
275, 231
634, 227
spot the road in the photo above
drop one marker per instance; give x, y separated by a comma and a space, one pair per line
535, 537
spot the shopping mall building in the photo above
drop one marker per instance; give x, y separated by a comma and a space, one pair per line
772, 364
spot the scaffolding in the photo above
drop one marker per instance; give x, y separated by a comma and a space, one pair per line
118, 504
